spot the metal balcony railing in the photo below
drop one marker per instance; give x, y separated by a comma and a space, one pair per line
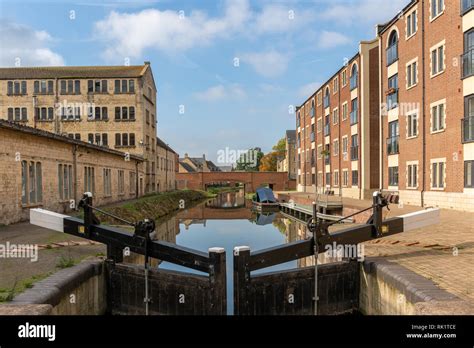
392, 54
354, 81
467, 63
466, 6
393, 145
467, 129
354, 153
354, 117
392, 100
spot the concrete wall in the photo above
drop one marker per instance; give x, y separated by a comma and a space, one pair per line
80, 290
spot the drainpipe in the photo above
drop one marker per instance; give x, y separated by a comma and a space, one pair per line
339, 126
423, 100
136, 179
74, 168
381, 122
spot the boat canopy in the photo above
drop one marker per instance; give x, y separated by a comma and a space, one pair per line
265, 195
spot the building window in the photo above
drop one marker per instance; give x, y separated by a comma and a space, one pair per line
438, 117
345, 108
16, 88
345, 177
327, 125
355, 178
392, 49
354, 80
354, 147
335, 116
124, 139
412, 175
437, 174
335, 85
412, 74
43, 87
124, 113
437, 8
319, 125
393, 138
345, 144
133, 182
392, 93
437, 60
31, 183
344, 77
412, 25
89, 179
336, 147
107, 182
336, 178
98, 139
318, 98
354, 113
75, 136
124, 86
320, 150
312, 112
44, 114
70, 86
412, 125
18, 114
467, 59
65, 182
70, 113
328, 179
468, 120
326, 98
393, 176
121, 182
469, 174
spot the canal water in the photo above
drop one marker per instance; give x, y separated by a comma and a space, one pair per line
228, 221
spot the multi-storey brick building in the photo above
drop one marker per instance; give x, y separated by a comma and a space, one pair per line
336, 127
112, 106
43, 169
427, 94
166, 160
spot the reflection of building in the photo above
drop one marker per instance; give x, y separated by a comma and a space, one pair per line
196, 164
288, 162
228, 200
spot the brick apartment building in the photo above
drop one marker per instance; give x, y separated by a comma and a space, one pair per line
47, 170
110, 106
427, 98
335, 129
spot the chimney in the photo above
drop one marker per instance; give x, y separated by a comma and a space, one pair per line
204, 156
185, 155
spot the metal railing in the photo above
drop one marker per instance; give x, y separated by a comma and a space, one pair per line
392, 100
466, 6
393, 145
467, 63
354, 153
467, 129
392, 54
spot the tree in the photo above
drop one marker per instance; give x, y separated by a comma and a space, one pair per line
269, 162
280, 146
250, 161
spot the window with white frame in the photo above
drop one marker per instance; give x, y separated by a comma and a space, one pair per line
436, 8
412, 25
412, 125
345, 111
336, 178
89, 179
320, 149
345, 144
412, 73
319, 125
345, 177
319, 98
437, 173
438, 116
335, 147
437, 59
412, 175
335, 116
107, 173
335, 85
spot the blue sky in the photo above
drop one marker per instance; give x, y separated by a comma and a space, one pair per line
235, 66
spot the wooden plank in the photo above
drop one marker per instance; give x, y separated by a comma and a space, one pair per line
241, 280
47, 219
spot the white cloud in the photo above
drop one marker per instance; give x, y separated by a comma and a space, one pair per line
26, 46
363, 12
307, 90
267, 63
331, 39
221, 92
129, 34
281, 19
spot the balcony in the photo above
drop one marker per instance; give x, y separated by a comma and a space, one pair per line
466, 6
312, 137
327, 159
354, 81
393, 145
327, 129
392, 54
326, 101
467, 63
354, 117
354, 153
392, 99
468, 129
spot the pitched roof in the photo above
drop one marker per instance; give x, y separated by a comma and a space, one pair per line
73, 72
187, 167
42, 133
163, 145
